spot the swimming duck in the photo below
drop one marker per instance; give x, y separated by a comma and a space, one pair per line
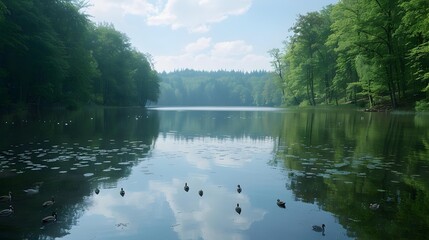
32, 191
49, 203
318, 228
238, 209
52, 218
281, 203
238, 188
97, 191
200, 193
374, 206
122, 192
186, 187
6, 197
6, 212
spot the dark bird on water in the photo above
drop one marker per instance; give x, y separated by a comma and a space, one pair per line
238, 188
281, 203
32, 191
374, 206
6, 197
52, 218
49, 203
318, 228
238, 209
200, 193
6, 212
186, 187
122, 192
97, 191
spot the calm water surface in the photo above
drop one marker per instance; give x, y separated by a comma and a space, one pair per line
327, 165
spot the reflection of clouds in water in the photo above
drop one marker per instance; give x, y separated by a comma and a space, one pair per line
111, 204
198, 161
205, 153
212, 216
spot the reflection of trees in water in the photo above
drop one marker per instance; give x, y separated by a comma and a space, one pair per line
221, 124
344, 161
96, 146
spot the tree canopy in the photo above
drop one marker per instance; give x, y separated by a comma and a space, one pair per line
51, 54
368, 52
218, 88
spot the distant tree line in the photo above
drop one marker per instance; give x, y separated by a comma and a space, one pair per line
219, 88
369, 52
51, 54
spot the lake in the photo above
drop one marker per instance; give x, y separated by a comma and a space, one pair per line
363, 175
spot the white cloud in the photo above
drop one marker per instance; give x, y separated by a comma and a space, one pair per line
197, 15
232, 48
104, 9
200, 44
207, 217
203, 55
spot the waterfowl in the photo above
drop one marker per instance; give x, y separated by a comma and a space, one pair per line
122, 192
6, 212
31, 191
281, 203
97, 191
6, 197
318, 228
49, 203
238, 188
186, 187
374, 206
52, 218
238, 209
200, 193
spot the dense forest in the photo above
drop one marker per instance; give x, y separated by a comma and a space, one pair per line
373, 53
369, 52
51, 54
219, 88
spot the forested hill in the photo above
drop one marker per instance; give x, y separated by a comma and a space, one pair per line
219, 88
51, 54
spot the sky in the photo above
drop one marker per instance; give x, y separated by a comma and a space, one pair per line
205, 34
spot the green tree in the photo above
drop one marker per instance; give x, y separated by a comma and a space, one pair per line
415, 26
309, 63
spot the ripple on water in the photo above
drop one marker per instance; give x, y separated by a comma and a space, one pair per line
88, 174
62, 171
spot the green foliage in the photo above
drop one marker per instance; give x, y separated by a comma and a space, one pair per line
219, 88
355, 49
422, 106
307, 66
53, 55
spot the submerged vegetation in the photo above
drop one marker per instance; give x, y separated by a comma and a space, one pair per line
369, 52
51, 54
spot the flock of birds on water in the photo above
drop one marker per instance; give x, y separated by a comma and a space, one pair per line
53, 218
9, 211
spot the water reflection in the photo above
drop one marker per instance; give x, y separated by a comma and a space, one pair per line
62, 154
346, 162
329, 166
